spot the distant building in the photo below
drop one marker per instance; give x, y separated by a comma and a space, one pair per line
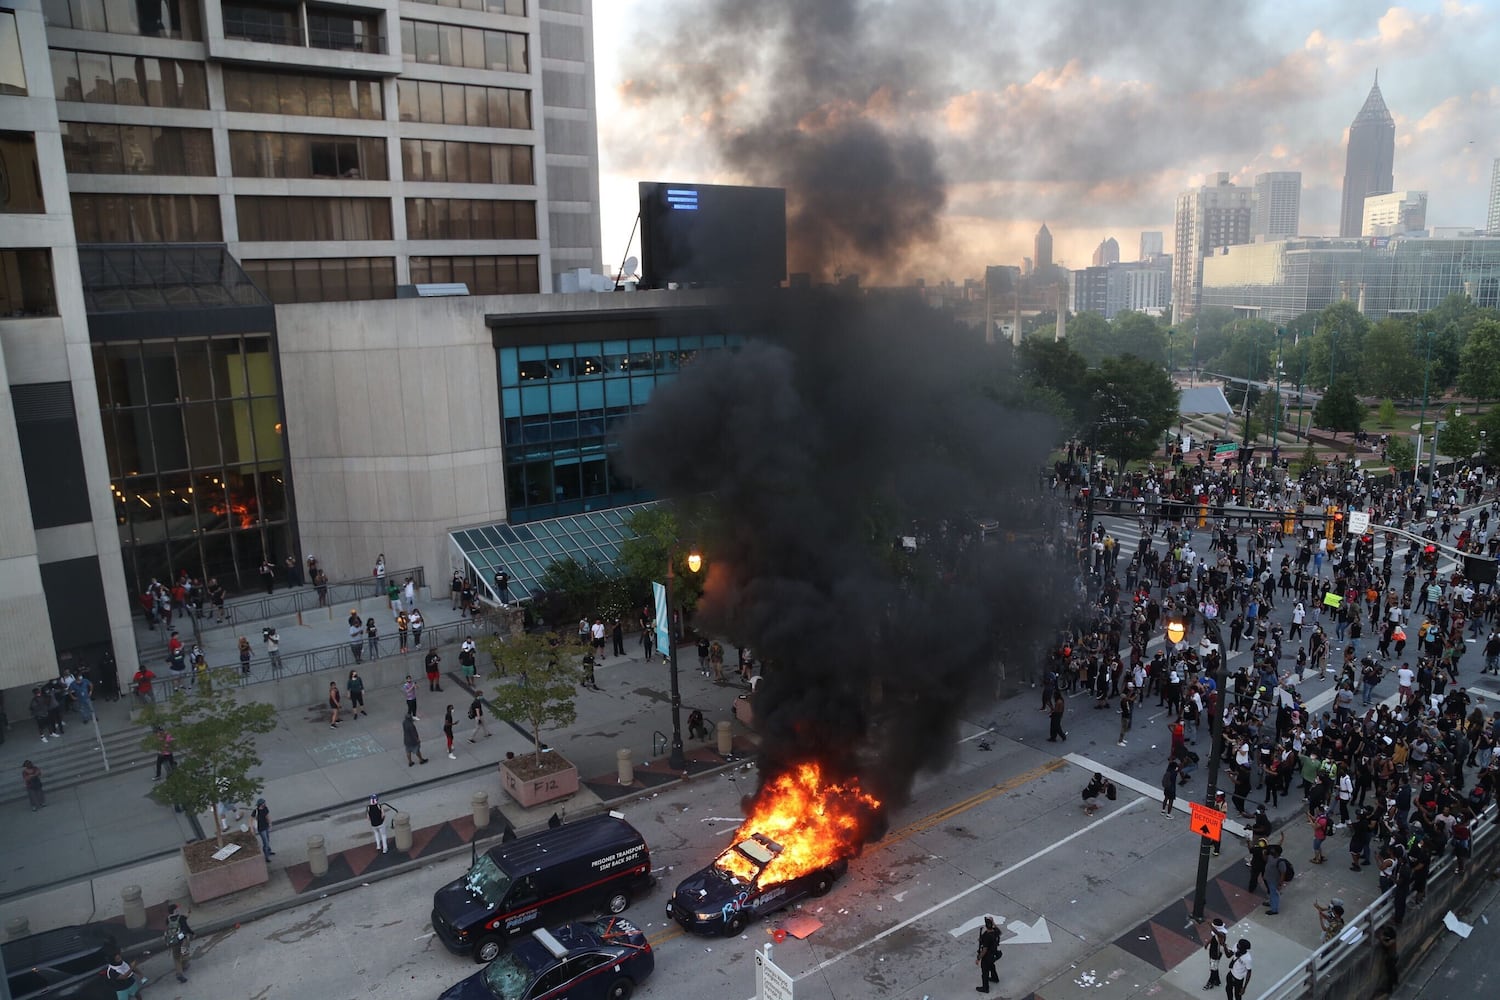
1042, 250
1278, 199
1027, 266
1107, 252
1382, 276
1151, 244
1088, 289
1137, 286
1370, 159
1492, 219
1214, 215
1394, 214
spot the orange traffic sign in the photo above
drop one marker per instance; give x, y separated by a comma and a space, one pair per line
1206, 822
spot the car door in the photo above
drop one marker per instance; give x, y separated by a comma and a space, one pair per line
521, 903
549, 984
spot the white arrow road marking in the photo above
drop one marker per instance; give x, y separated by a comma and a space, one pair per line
1036, 933
971, 923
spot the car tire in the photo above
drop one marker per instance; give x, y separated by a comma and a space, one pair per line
618, 903
735, 925
487, 949
822, 884
620, 989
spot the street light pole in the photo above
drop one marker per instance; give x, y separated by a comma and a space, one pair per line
677, 760
1211, 792
1276, 421
1422, 423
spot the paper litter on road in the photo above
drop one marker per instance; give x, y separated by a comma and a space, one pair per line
1456, 925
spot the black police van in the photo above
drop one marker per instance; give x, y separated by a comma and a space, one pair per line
542, 879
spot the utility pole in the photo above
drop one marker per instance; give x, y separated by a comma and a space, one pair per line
1210, 796
1422, 423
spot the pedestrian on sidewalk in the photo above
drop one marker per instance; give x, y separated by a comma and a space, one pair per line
1217, 945
40, 708
263, 827
467, 662
273, 647
164, 756
393, 595
716, 660
320, 581
268, 575
372, 638
412, 741
415, 618
31, 778
83, 693
409, 594
617, 634
179, 936
376, 814
380, 567
403, 623
434, 664
216, 598
476, 712
588, 672
1239, 971
409, 689
989, 953
141, 682
1055, 715
596, 637
356, 689
123, 977
244, 648
1169, 786
335, 702
455, 590
356, 635
448, 731
704, 647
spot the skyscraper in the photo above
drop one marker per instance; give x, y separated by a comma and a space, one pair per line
1492, 220
1278, 197
1042, 252
1216, 214
1107, 252
1394, 213
1151, 244
1369, 162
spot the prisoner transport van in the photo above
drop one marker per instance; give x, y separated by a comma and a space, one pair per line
539, 880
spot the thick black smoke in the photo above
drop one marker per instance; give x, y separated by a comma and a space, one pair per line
807, 454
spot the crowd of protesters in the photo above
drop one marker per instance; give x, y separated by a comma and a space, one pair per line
1401, 780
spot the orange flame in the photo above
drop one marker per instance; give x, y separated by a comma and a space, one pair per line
815, 821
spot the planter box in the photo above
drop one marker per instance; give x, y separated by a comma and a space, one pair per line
531, 785
210, 879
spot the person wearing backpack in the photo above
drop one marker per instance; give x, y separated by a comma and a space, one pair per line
178, 937
476, 712
1278, 873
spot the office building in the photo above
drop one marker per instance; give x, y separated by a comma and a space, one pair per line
1394, 214
1369, 161
176, 174
1042, 250
1381, 276
1088, 290
1278, 199
1492, 217
1137, 286
1151, 244
1107, 252
1214, 215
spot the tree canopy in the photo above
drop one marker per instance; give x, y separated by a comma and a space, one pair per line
1340, 408
1479, 361
1132, 402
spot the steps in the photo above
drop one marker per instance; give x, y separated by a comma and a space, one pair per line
75, 759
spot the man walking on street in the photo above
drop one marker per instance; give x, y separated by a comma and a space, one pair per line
263, 827
411, 740
179, 935
1058, 704
476, 712
989, 953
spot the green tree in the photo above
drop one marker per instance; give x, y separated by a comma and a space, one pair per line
1249, 351
1489, 441
1308, 462
1340, 339
213, 738
539, 682
1132, 403
1340, 408
658, 531
1458, 438
1138, 334
1089, 335
1479, 361
1401, 453
1267, 411
1387, 414
1053, 365
1390, 365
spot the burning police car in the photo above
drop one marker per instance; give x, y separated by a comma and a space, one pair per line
744, 883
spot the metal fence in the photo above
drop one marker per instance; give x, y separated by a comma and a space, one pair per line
253, 610
1352, 964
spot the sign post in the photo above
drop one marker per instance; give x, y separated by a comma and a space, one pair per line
771, 983
1206, 821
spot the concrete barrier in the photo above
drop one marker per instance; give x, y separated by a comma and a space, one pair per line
135, 909
401, 824
624, 769
317, 855
726, 739
480, 801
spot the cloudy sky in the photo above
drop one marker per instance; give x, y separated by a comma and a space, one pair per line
969, 122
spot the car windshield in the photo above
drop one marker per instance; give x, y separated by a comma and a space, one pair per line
507, 977
487, 881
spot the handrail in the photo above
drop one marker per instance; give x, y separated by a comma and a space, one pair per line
252, 610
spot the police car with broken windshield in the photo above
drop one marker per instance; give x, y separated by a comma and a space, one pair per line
742, 885
604, 959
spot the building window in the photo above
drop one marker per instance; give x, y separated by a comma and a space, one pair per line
515, 8
463, 104
193, 439
324, 279
502, 275
293, 155
20, 178
12, 70
469, 219
147, 218
153, 18
266, 92
94, 148
256, 22
268, 219
100, 78
26, 284
471, 48
466, 162
344, 31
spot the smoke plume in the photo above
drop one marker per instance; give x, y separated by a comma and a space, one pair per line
803, 458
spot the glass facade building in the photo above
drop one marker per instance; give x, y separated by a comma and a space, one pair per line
561, 402
1396, 276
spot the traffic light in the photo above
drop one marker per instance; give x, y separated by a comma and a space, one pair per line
1335, 517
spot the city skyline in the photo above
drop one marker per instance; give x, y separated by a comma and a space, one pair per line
1085, 128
